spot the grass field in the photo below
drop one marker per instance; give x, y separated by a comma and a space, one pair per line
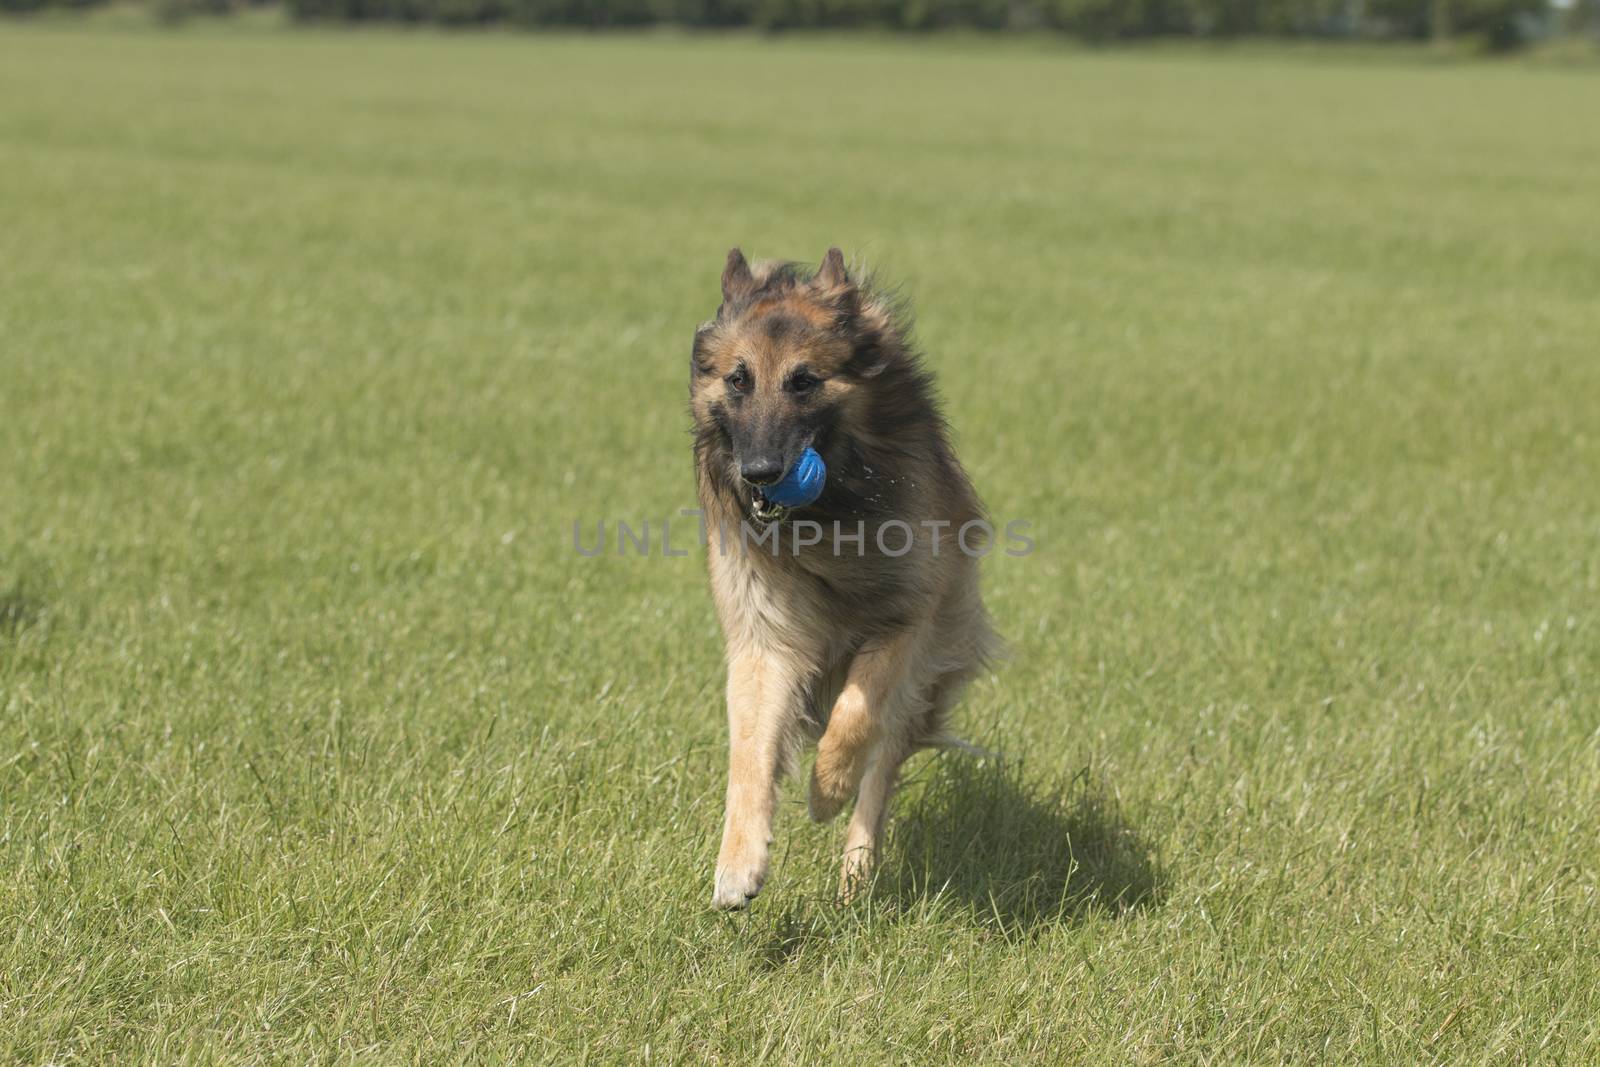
318, 741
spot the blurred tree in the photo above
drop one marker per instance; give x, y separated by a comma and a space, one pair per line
1584, 17
1501, 24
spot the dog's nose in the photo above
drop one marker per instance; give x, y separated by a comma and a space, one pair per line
761, 470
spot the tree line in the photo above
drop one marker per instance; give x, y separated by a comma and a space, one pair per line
1499, 23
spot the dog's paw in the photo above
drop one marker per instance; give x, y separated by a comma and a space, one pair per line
855, 876
738, 885
833, 782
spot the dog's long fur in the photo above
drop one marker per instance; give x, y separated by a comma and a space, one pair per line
849, 643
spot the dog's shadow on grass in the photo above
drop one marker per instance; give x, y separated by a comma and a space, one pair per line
980, 841
1015, 854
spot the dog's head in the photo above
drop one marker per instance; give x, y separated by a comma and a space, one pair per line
788, 362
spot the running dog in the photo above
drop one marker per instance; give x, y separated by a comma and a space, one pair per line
854, 621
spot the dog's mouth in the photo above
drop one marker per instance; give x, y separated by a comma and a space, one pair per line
766, 511
763, 510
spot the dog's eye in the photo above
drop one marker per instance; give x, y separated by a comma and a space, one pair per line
739, 379
803, 382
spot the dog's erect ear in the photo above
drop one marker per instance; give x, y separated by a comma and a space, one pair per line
832, 275
832, 286
737, 282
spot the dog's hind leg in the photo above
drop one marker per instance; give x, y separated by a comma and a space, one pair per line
862, 839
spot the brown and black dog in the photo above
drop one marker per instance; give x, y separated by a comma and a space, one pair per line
861, 630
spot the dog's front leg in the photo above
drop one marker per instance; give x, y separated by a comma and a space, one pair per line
866, 712
761, 724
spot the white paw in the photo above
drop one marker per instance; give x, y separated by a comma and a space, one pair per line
834, 782
738, 885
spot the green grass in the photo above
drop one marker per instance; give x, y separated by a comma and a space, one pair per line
318, 741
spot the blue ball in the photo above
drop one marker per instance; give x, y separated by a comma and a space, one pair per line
802, 485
